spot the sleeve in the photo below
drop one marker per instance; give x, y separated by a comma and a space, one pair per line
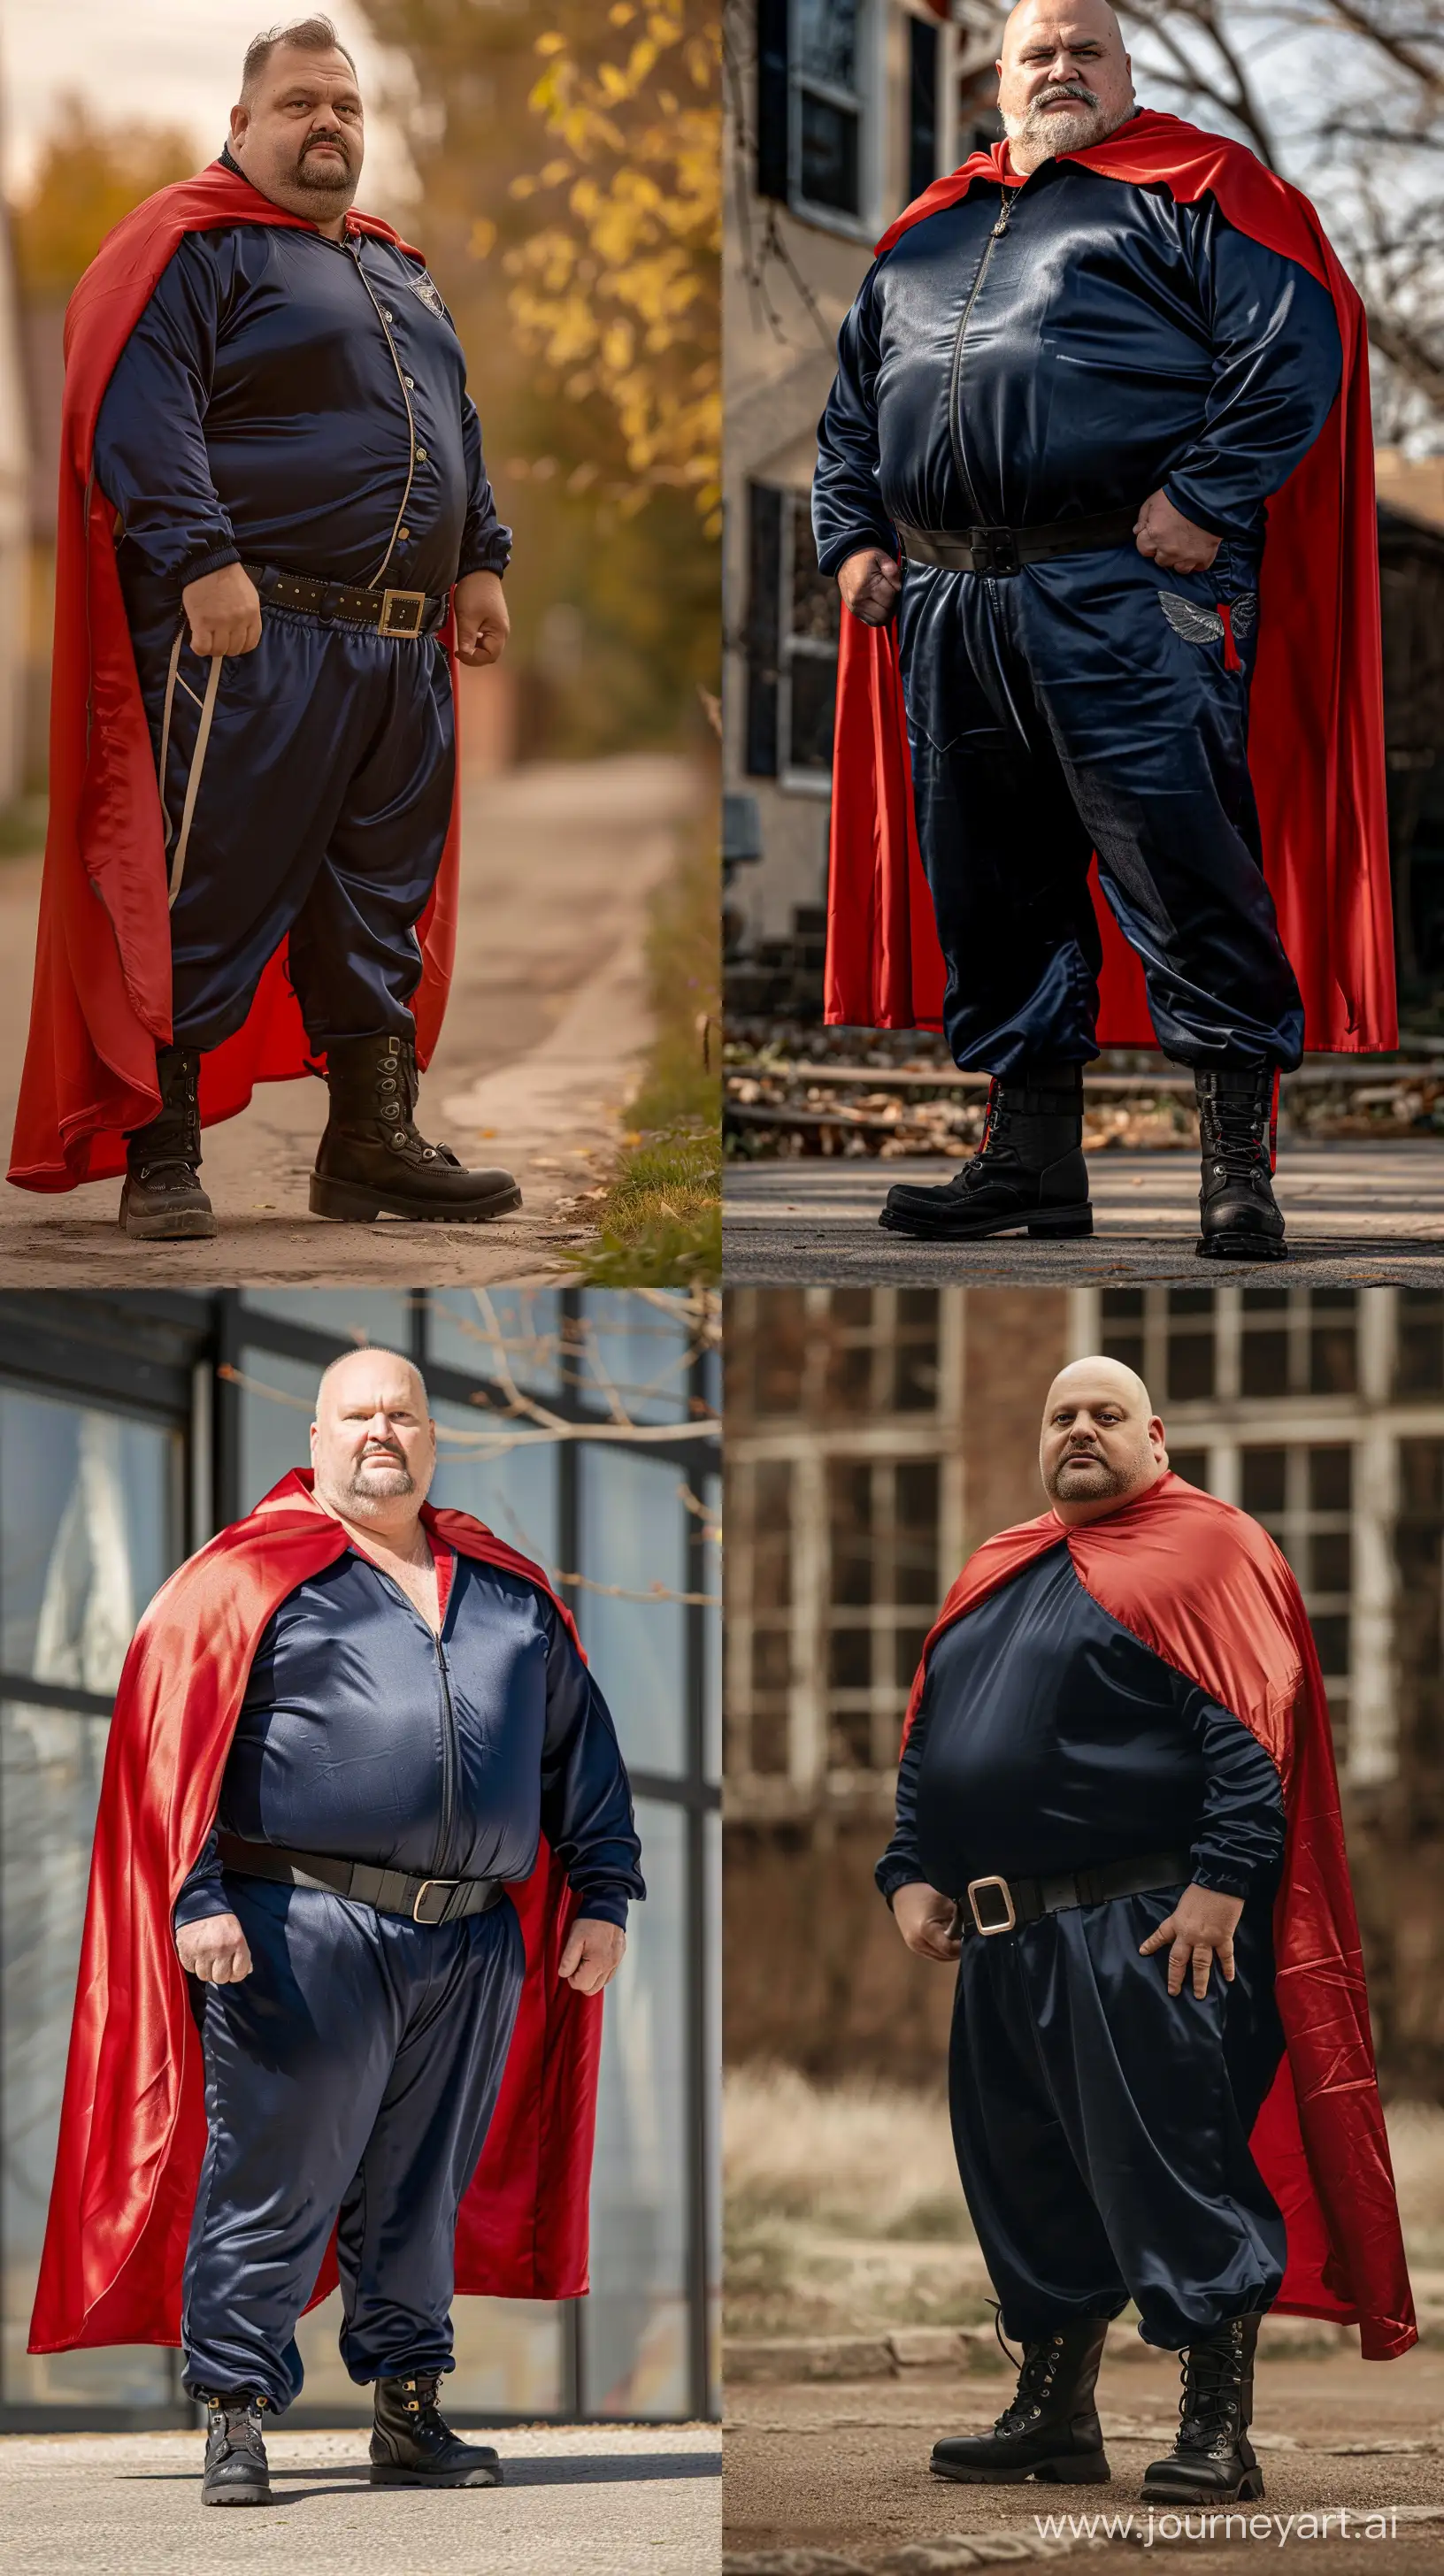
202, 1890
1240, 1841
150, 448
586, 1798
847, 511
485, 541
1278, 364
900, 1865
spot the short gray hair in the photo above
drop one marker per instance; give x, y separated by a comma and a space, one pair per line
308, 35
374, 1350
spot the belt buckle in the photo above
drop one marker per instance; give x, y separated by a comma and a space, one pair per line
993, 550
408, 607
1010, 1917
433, 1921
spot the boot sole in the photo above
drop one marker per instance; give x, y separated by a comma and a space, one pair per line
1062, 1224
385, 2477
240, 2495
1057, 2472
193, 1226
1241, 1247
1249, 2490
349, 1204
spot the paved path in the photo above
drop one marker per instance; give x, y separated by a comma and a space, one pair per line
579, 2500
844, 2470
545, 1023
1355, 1213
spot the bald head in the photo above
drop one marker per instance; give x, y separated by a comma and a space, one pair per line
1101, 1443
373, 1442
1064, 79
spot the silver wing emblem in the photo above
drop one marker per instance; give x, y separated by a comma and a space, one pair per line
1196, 625
1244, 610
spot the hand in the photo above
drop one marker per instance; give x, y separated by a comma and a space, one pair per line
215, 1950
1200, 1928
925, 1919
594, 1950
871, 584
1169, 539
224, 609
482, 620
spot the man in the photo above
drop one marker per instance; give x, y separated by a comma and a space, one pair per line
269, 430
1088, 376
1117, 1812
343, 1732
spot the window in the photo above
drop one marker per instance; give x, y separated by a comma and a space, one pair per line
793, 624
813, 89
884, 1590
1201, 1345
923, 45
1304, 1497
1419, 1560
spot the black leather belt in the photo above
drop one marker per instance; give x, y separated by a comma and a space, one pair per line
391, 1891
997, 1904
391, 612
1004, 550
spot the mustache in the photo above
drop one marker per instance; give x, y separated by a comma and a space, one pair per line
315, 142
1057, 90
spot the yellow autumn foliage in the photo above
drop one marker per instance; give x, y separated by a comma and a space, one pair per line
617, 290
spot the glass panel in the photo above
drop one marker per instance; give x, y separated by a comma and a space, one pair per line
826, 37
1264, 1474
1331, 1479
484, 1331
1265, 1359
814, 701
515, 1493
50, 1765
634, 1349
712, 2106
89, 1529
379, 1315
509, 2358
1191, 1465
829, 154
1331, 1561
815, 608
634, 2325
632, 1523
277, 1410
1190, 1366
1419, 1360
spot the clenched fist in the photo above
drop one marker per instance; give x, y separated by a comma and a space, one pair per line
215, 1950
1166, 537
224, 609
592, 1956
483, 621
871, 586
925, 1919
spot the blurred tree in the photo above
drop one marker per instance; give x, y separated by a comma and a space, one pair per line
626, 556
619, 292
89, 174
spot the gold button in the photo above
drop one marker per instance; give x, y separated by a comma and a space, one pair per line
421, 456
410, 383
403, 532
385, 316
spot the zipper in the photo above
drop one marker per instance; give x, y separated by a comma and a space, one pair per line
354, 248
955, 423
449, 1757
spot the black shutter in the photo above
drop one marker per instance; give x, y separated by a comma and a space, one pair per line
764, 626
922, 105
772, 98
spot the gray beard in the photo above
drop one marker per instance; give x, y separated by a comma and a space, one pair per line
1069, 130
380, 1482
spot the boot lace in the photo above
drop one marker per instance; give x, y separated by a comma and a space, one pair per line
1235, 1133
1211, 2405
235, 2427
397, 1089
426, 2424
1036, 2371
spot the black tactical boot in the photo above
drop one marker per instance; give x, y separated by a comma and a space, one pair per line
1029, 1170
161, 1200
411, 2446
235, 2471
1051, 2430
1239, 1218
1212, 2461
373, 1163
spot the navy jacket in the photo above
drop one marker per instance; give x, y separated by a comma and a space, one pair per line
1050, 1739
289, 400
1106, 344
364, 1736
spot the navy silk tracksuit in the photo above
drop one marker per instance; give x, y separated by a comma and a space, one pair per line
354, 2072
297, 402
1101, 2124
1107, 343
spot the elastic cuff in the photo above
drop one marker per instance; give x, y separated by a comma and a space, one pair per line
1184, 502
1220, 1882
496, 559
831, 558
200, 1906
215, 561
603, 1905
889, 1881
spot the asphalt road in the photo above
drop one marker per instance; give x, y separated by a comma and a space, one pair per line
838, 2475
579, 2500
1355, 1213
546, 1019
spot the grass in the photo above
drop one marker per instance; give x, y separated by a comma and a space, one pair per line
844, 2214
660, 1224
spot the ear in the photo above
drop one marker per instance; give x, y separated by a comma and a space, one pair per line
240, 119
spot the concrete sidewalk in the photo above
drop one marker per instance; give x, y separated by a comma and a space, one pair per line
1355, 1213
545, 1024
579, 2500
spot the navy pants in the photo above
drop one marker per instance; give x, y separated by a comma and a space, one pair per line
1057, 711
352, 2076
1101, 2124
314, 802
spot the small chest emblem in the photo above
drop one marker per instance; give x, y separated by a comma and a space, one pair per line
1200, 625
422, 287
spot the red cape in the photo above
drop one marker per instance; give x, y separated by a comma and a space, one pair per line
133, 2120
1316, 737
102, 994
1204, 1588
